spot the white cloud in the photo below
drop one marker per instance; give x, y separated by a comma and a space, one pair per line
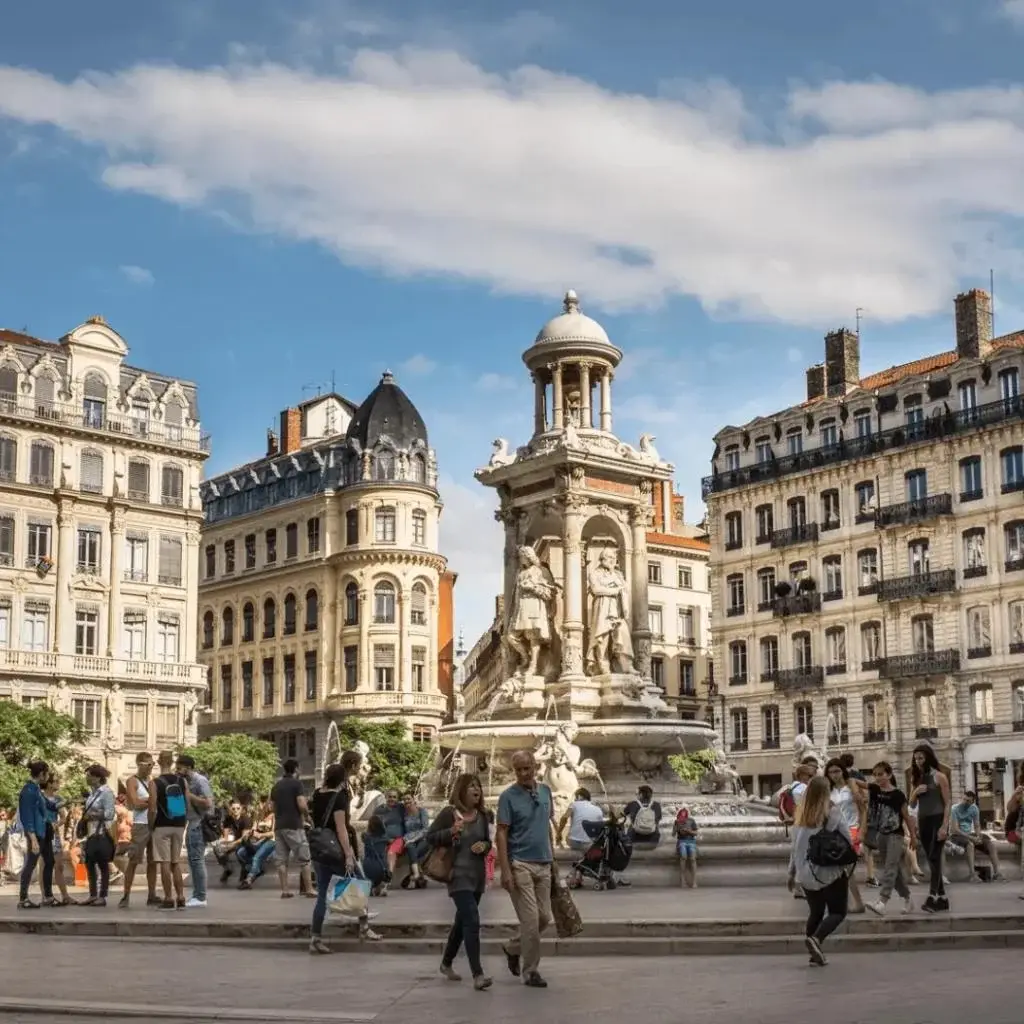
137, 275
1014, 10
423, 162
495, 382
794, 355
418, 365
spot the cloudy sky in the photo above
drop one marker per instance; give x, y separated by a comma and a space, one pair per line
262, 196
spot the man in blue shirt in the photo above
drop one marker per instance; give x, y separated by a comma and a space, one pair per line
32, 815
966, 834
524, 838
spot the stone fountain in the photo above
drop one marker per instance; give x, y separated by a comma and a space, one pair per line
575, 683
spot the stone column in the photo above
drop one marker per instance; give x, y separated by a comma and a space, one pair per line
190, 576
558, 402
404, 664
540, 411
117, 523
330, 633
65, 550
606, 400
572, 624
639, 520
586, 420
365, 675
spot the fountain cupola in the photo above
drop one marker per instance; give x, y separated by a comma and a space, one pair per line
570, 360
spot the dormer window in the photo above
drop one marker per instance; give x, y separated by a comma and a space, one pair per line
862, 422
795, 441
764, 449
829, 433
913, 409
732, 458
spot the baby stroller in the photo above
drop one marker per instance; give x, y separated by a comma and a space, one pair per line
609, 852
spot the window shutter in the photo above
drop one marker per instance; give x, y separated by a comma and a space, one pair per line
171, 483
91, 470
170, 557
384, 655
138, 477
95, 387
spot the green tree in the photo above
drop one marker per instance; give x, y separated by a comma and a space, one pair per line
692, 767
38, 733
396, 762
237, 764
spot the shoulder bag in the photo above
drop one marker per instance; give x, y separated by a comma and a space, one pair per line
440, 862
324, 845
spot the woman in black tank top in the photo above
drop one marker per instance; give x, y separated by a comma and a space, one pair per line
930, 795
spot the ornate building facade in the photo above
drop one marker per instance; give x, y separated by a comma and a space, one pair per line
100, 466
323, 593
867, 547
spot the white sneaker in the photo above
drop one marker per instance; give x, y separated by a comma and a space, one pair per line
908, 906
193, 903
878, 907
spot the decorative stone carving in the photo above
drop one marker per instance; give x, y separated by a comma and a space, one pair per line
647, 447
459, 713
572, 654
115, 719
647, 764
804, 748
500, 456
529, 631
119, 521
62, 698
358, 780
611, 646
561, 765
721, 777
643, 656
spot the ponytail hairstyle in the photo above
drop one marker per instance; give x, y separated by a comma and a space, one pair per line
812, 811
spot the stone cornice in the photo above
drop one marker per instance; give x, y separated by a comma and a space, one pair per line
396, 556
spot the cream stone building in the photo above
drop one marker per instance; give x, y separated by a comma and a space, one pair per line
867, 548
323, 593
99, 531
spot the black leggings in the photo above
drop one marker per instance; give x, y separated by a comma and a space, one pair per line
932, 846
833, 899
32, 859
465, 929
99, 851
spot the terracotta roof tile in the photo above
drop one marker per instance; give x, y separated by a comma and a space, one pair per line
894, 374
669, 540
19, 338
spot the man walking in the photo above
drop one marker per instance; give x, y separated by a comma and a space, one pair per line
168, 817
524, 837
32, 815
137, 803
200, 802
290, 812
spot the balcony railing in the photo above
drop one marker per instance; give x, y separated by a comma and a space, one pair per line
918, 510
69, 414
923, 663
396, 700
847, 450
922, 584
72, 665
874, 736
808, 677
796, 604
805, 533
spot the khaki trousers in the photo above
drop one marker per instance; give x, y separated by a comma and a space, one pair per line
531, 899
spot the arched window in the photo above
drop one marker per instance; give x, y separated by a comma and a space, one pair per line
40, 465
171, 486
8, 386
227, 635
269, 618
351, 605
44, 395
418, 613
90, 472
419, 527
418, 469
8, 457
384, 602
207, 629
248, 622
312, 610
138, 480
94, 400
289, 614
384, 465
172, 420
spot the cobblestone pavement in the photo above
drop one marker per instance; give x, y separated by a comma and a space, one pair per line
906, 988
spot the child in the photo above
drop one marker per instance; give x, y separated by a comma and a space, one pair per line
375, 856
492, 854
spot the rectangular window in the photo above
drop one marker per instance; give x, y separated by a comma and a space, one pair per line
288, 676
226, 694
795, 441
1009, 387
968, 395
830, 509
246, 684
169, 570
765, 523
917, 557
862, 423
310, 667
268, 682
5, 623
419, 669
90, 541
687, 681
685, 624
250, 551
917, 485
313, 535
384, 532
970, 478
924, 634
658, 672
982, 709
1012, 462
913, 411
168, 637
135, 635
86, 631
211, 561
291, 540
685, 578
87, 713
40, 466
229, 557
136, 723
352, 527
419, 528
136, 557
770, 727
384, 666
351, 662
6, 540
738, 717
166, 725
732, 459
763, 450
865, 497
654, 572
804, 717
655, 624
35, 626
829, 434
270, 540
138, 480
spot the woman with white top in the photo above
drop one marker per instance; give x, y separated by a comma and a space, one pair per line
825, 888
847, 796
97, 822
582, 809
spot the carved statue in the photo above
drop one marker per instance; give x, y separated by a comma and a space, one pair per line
62, 698
562, 765
529, 629
647, 447
115, 718
500, 456
460, 705
890, 714
721, 777
357, 782
611, 645
804, 748
191, 704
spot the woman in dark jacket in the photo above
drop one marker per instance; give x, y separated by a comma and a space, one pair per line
463, 826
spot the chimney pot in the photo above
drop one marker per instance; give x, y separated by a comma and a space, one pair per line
816, 382
291, 431
842, 361
272, 445
973, 316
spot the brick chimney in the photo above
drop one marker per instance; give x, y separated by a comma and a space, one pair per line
816, 382
272, 445
973, 324
291, 431
842, 361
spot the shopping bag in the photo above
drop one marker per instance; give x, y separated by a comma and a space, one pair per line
568, 923
348, 896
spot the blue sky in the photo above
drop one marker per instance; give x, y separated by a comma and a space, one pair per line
258, 196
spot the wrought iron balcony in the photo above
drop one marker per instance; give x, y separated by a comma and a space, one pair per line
808, 677
918, 585
805, 533
848, 449
874, 736
796, 604
906, 513
923, 663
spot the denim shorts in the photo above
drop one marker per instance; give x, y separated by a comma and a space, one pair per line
687, 847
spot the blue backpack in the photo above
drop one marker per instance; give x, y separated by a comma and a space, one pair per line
175, 803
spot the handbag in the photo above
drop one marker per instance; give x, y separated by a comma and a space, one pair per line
324, 845
348, 896
568, 923
829, 848
439, 863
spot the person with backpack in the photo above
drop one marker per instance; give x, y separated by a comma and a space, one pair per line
168, 818
644, 816
199, 798
821, 861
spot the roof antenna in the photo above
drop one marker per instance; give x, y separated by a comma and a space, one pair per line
992, 298
859, 315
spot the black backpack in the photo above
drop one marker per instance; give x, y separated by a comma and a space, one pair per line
212, 825
830, 849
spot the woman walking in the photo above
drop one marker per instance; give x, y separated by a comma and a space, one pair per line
825, 888
847, 796
930, 795
887, 817
97, 824
464, 827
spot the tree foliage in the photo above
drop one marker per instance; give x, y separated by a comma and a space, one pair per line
396, 762
692, 767
237, 765
38, 733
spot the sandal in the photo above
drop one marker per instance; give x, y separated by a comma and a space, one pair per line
32, 905
319, 947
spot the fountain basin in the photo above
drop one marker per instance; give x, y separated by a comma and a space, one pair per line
673, 736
